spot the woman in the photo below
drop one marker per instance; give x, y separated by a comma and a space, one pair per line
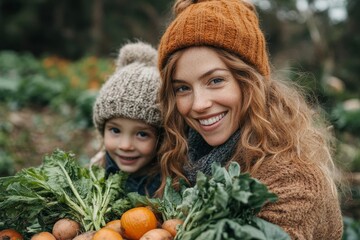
221, 104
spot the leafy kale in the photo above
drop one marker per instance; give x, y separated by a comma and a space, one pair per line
224, 207
36, 197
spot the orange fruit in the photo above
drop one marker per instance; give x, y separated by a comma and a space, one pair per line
137, 221
43, 236
10, 234
107, 234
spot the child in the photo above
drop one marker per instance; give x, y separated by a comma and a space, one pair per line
128, 118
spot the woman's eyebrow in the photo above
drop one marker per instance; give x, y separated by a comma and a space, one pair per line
204, 75
208, 73
177, 80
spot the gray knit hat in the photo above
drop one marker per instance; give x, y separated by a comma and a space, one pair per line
131, 91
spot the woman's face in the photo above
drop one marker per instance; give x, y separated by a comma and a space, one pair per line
130, 143
207, 95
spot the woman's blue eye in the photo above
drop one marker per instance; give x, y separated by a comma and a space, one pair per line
216, 80
181, 89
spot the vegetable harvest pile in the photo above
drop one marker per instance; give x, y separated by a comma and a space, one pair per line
33, 199
222, 206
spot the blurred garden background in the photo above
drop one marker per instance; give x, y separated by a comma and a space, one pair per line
54, 56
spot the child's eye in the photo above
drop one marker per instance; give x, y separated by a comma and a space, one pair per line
114, 130
142, 134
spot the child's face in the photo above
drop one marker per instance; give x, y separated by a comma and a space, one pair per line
130, 143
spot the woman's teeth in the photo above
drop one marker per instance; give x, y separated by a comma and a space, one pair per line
212, 120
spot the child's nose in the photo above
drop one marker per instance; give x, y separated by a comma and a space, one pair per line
126, 144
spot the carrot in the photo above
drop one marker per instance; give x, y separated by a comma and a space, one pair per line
171, 225
157, 234
65, 229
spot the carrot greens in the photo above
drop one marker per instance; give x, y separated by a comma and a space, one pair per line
35, 197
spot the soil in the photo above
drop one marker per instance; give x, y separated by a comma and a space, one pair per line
28, 135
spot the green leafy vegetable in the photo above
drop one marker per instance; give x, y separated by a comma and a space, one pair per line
224, 207
36, 197
166, 206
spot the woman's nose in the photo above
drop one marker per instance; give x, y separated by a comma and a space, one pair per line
201, 101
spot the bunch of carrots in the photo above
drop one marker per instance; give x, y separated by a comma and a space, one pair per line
138, 223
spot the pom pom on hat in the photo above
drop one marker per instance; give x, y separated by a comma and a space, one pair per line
131, 91
136, 52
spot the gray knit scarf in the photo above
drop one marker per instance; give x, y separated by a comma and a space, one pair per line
202, 155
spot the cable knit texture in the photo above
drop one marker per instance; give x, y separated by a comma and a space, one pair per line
131, 91
306, 208
228, 24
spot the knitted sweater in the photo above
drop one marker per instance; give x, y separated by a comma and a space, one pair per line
306, 208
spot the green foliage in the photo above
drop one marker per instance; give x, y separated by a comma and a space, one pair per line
13, 67
36, 197
167, 205
6, 164
16, 65
28, 82
39, 91
355, 164
346, 120
351, 229
222, 206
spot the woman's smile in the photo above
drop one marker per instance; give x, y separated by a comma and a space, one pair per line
211, 120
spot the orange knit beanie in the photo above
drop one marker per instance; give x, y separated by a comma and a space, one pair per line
232, 25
